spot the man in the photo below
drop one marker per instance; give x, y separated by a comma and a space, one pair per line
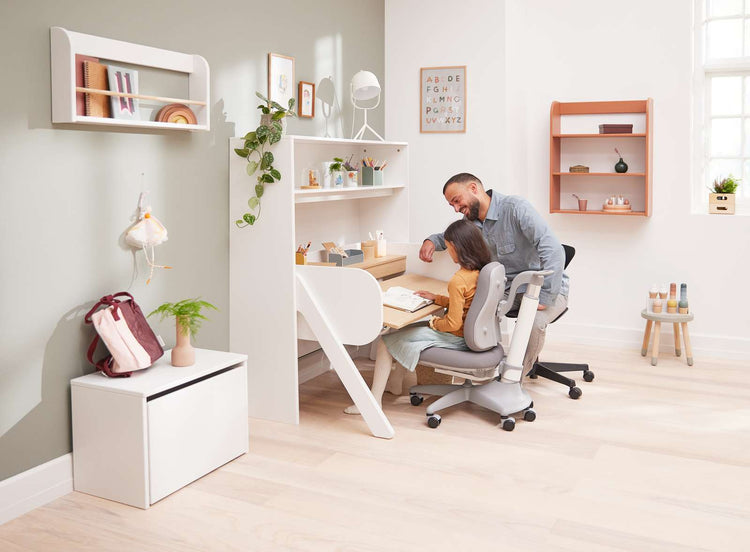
519, 239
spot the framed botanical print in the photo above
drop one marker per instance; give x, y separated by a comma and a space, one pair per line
280, 79
442, 99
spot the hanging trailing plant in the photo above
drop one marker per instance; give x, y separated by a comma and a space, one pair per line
259, 157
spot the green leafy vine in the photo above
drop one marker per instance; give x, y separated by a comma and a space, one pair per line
259, 157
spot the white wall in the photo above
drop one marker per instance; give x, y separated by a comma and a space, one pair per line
574, 51
441, 33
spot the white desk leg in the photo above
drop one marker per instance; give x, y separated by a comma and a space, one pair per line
342, 363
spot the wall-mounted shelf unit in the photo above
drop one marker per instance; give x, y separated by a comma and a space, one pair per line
64, 45
574, 140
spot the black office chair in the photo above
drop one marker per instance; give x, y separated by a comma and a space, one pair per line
551, 370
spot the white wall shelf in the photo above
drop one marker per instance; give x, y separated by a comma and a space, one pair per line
64, 45
337, 194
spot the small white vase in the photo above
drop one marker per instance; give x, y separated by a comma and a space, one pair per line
183, 353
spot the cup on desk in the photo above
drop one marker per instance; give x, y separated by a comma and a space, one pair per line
380, 248
300, 258
368, 248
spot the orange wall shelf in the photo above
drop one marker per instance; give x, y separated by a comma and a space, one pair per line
574, 140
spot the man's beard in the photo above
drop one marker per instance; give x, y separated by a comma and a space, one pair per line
473, 213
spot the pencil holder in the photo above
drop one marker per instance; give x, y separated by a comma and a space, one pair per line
300, 258
368, 248
371, 177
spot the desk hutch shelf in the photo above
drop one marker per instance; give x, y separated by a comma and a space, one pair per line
263, 317
574, 140
65, 44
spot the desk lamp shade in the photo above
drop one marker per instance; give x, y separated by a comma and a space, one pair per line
364, 86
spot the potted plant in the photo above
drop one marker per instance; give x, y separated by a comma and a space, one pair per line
336, 172
257, 152
188, 319
721, 198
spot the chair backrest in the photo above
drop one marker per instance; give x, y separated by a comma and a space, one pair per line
570, 252
481, 327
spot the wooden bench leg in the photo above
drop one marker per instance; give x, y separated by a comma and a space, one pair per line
677, 339
646, 336
688, 348
655, 347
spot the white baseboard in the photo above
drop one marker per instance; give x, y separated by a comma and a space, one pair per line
714, 346
35, 487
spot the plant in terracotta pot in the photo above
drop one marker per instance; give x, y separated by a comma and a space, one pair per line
188, 320
721, 198
256, 150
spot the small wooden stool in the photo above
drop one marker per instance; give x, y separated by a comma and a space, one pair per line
676, 320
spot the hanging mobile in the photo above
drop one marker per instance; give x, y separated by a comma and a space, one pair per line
146, 233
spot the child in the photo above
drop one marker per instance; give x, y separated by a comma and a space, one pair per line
467, 248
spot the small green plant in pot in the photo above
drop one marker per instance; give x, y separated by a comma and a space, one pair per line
188, 320
721, 199
256, 150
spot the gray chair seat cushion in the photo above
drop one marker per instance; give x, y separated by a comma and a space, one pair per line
469, 361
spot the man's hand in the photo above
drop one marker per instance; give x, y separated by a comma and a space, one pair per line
425, 294
426, 251
541, 307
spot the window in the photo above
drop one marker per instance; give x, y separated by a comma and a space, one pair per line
722, 97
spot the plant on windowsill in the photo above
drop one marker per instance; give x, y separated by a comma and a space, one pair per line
259, 142
721, 198
188, 319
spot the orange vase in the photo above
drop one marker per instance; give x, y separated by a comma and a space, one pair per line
183, 353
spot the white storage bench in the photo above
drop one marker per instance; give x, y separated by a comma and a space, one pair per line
139, 439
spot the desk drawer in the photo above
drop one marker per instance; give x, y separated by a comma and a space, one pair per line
391, 268
196, 429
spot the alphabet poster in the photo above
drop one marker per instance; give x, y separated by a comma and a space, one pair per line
442, 99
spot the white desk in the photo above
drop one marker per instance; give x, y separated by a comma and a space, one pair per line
139, 439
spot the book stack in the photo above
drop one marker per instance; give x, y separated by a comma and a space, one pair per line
615, 129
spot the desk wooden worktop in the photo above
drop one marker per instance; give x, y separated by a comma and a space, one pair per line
397, 319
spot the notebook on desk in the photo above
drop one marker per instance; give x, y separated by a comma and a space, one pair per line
404, 299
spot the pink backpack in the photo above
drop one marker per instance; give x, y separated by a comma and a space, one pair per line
123, 328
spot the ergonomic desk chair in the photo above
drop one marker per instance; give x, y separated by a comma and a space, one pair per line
551, 370
486, 359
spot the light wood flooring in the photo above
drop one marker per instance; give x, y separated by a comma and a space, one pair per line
650, 458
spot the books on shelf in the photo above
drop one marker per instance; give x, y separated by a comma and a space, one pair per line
95, 76
80, 96
124, 81
404, 299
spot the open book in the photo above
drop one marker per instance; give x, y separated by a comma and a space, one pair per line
404, 299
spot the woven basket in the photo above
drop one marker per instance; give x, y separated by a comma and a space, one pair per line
428, 376
579, 169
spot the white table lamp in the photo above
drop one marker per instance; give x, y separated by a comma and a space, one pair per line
364, 87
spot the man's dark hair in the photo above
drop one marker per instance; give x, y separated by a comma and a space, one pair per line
467, 240
462, 178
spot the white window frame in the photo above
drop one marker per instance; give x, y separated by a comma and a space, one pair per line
703, 71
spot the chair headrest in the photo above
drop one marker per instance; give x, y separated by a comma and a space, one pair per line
481, 329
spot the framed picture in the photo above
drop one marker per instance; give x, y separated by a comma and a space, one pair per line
280, 79
306, 99
442, 99
124, 81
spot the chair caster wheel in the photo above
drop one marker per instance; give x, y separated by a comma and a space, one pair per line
588, 375
529, 415
433, 421
575, 393
509, 424
416, 400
